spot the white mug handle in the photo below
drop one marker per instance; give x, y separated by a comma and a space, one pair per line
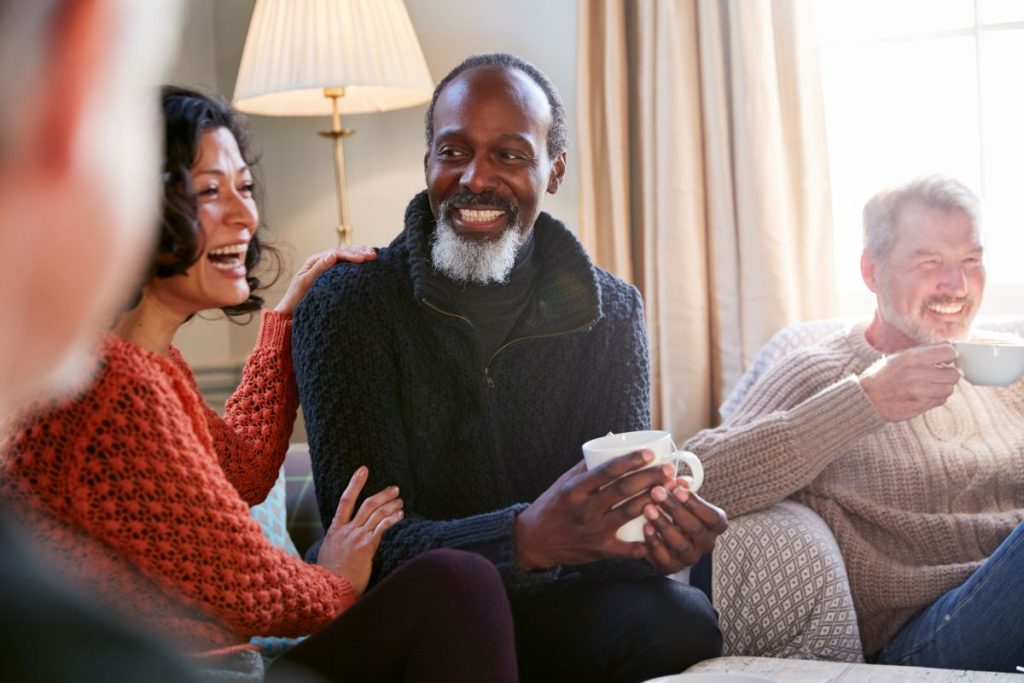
693, 462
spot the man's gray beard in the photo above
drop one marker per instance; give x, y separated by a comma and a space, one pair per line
478, 261
915, 329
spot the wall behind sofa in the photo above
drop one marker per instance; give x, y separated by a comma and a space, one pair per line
384, 159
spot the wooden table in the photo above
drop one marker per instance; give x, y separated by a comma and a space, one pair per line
803, 671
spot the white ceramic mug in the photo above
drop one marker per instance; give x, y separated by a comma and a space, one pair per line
990, 363
598, 451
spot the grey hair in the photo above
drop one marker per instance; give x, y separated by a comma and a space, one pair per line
24, 36
935, 191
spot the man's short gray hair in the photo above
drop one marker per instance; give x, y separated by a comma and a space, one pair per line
935, 191
143, 42
25, 26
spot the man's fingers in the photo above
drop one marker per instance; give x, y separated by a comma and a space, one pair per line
943, 352
631, 484
657, 554
373, 502
711, 516
944, 376
693, 524
347, 502
685, 521
617, 467
632, 508
671, 534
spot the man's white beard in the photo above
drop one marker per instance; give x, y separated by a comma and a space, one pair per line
478, 261
915, 328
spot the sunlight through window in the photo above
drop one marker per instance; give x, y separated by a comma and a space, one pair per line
914, 87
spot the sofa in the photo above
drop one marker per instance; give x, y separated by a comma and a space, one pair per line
778, 579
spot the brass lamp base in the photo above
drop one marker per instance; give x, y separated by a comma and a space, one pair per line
337, 135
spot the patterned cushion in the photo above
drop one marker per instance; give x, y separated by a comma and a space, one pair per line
781, 589
270, 514
304, 524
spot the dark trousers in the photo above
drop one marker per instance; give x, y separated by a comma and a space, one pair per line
442, 616
619, 631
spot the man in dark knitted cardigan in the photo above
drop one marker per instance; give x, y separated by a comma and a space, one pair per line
472, 386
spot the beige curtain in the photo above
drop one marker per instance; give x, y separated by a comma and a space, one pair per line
704, 181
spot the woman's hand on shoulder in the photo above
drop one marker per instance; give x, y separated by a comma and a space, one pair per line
311, 269
351, 541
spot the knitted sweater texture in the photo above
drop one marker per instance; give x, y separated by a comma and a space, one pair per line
390, 376
915, 506
141, 492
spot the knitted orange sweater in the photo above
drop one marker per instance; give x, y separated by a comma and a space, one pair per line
141, 491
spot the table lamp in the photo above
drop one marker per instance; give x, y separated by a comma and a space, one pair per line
331, 57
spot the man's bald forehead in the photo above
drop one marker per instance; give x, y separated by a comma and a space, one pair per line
558, 127
481, 81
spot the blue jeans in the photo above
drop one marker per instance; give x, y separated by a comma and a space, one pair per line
979, 625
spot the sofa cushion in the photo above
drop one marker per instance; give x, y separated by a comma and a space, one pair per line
303, 519
271, 516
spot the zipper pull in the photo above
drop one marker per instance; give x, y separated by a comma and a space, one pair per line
487, 378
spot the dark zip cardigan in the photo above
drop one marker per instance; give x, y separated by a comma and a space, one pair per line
389, 376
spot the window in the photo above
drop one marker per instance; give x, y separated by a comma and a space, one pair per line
914, 87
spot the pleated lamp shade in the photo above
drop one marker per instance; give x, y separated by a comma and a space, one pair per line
296, 48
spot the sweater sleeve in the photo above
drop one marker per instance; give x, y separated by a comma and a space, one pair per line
351, 396
802, 414
252, 437
143, 484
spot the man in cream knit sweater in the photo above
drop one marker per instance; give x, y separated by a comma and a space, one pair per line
919, 474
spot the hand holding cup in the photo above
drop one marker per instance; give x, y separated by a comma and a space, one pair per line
598, 451
575, 520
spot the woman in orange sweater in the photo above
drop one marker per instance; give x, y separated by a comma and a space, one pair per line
142, 491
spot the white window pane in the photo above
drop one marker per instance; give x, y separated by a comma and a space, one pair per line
1003, 138
895, 111
847, 21
998, 11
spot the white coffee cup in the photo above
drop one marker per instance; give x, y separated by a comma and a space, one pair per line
598, 451
990, 363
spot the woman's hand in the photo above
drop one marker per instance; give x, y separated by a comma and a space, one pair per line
348, 547
311, 269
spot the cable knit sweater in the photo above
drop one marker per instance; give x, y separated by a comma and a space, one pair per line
391, 376
916, 506
138, 489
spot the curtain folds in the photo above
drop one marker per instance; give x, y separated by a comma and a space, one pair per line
704, 181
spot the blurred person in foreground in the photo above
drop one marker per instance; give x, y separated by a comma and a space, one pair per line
916, 471
78, 155
142, 491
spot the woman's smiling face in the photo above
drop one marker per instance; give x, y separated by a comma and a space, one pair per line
228, 216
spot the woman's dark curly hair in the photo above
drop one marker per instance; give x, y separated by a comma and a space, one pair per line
187, 115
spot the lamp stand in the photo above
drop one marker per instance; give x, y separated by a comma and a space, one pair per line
337, 133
